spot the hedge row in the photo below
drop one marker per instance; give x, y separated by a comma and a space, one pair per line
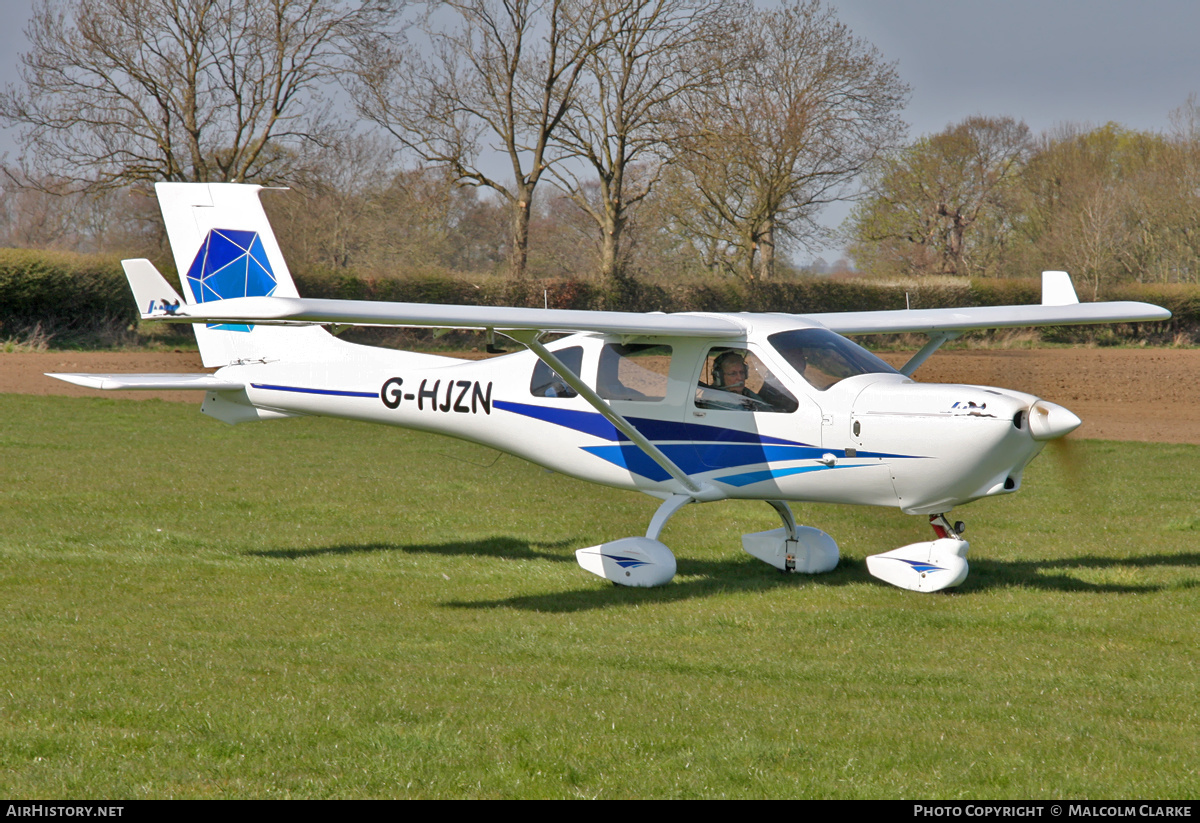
63, 290
77, 292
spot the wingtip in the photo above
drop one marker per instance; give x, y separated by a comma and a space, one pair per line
1057, 289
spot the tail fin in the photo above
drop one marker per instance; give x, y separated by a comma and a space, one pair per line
224, 247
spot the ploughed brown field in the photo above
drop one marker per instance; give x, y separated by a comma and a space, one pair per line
1121, 394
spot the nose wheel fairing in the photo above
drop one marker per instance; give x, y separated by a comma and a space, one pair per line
929, 566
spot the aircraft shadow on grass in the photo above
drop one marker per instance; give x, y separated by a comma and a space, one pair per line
702, 578
504, 548
1057, 575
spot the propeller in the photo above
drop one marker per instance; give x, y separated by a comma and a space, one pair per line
1050, 421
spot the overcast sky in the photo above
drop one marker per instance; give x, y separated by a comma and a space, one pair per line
1047, 62
1086, 61
1044, 62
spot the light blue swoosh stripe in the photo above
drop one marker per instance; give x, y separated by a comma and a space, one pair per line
748, 478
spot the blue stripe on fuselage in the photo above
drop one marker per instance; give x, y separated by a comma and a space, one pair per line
696, 448
699, 458
301, 390
750, 478
597, 425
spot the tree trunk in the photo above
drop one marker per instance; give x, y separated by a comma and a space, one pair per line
518, 254
766, 251
610, 248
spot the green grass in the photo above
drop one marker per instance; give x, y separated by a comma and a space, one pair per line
313, 608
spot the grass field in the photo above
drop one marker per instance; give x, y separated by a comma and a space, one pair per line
314, 608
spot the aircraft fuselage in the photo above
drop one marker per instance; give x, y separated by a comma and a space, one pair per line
872, 438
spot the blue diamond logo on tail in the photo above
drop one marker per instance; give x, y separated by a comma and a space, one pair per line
231, 263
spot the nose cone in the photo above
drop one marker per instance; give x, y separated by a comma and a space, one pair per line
1049, 421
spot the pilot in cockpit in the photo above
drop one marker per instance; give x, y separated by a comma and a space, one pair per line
730, 373
728, 389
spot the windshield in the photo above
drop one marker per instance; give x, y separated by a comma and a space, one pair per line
824, 358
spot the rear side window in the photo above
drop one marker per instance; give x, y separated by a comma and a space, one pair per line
634, 372
548, 383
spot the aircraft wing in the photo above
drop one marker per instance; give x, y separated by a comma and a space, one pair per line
1060, 306
297, 310
163, 303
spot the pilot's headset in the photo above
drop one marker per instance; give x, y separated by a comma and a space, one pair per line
718, 376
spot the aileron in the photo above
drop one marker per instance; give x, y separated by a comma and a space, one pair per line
986, 317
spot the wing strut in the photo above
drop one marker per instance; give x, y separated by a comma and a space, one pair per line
935, 343
529, 339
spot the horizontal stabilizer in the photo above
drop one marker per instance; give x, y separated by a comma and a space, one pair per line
150, 382
151, 291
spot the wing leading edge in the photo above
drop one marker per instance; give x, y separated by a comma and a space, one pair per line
309, 311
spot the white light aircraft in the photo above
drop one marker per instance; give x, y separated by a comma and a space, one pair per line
688, 408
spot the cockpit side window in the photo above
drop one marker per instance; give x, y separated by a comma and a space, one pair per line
547, 383
824, 358
633, 372
736, 380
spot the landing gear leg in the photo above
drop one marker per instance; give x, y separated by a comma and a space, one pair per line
942, 527
785, 514
665, 512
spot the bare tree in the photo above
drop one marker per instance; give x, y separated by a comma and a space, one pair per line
331, 217
123, 91
1116, 203
357, 211
1185, 208
945, 204
49, 214
801, 112
649, 53
497, 80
